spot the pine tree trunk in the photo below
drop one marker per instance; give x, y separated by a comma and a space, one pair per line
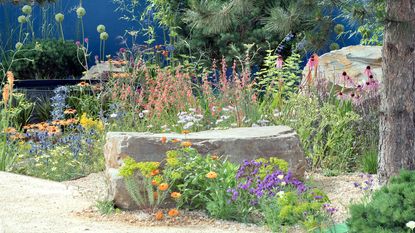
397, 112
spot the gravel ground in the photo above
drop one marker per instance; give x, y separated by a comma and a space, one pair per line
40, 206
340, 189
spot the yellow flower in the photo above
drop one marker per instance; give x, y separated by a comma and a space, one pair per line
185, 132
89, 123
212, 175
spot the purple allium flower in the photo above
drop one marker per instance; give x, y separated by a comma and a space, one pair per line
318, 197
86, 40
78, 43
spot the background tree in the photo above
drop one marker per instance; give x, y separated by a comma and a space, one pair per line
397, 114
217, 28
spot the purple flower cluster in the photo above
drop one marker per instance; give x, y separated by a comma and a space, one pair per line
330, 209
251, 183
367, 184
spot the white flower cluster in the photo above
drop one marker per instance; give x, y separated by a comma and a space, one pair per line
189, 119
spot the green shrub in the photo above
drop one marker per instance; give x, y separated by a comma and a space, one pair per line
47, 59
389, 209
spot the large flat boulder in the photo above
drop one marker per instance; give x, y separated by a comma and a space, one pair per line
238, 144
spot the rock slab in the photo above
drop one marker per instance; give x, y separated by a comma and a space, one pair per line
353, 60
238, 144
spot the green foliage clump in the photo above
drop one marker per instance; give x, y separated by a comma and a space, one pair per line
289, 74
389, 208
327, 130
292, 208
20, 111
47, 59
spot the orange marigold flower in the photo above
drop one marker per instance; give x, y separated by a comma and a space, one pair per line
83, 84
173, 213
18, 136
70, 111
159, 215
176, 140
56, 122
175, 195
212, 175
163, 140
10, 130
53, 129
186, 144
163, 187
72, 121
155, 172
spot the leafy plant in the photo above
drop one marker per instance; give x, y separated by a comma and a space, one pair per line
326, 131
370, 161
20, 111
47, 59
145, 183
43, 109
105, 207
389, 209
289, 73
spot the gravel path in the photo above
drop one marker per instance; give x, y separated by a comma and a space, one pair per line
31, 205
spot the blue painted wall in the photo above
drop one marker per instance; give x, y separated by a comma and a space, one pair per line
98, 12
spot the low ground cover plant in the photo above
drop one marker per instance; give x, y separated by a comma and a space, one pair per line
261, 191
